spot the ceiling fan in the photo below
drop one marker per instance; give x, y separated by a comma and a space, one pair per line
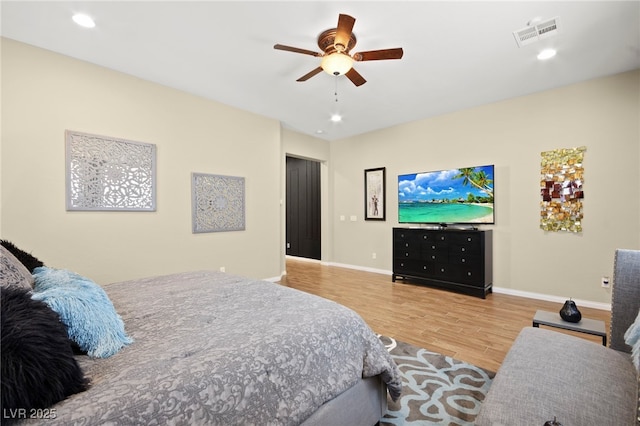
336, 43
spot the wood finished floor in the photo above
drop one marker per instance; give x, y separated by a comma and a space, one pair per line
471, 329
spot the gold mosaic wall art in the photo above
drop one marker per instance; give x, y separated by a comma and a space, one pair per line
561, 189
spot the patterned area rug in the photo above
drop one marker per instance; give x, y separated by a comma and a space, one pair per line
437, 389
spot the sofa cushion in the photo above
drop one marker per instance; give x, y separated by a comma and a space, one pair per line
547, 373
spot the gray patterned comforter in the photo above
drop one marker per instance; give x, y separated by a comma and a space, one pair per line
214, 348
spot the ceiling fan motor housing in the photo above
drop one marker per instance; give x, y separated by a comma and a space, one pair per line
326, 42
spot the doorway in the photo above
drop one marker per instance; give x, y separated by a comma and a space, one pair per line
303, 208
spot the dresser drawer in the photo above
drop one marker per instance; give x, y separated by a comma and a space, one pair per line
437, 255
407, 245
444, 271
428, 247
471, 274
401, 235
466, 259
406, 266
466, 242
406, 254
431, 237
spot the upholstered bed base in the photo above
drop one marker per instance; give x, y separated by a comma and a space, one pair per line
362, 404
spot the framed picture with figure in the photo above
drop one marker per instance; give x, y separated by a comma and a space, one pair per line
374, 194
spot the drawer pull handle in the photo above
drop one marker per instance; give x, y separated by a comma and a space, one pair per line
463, 249
464, 260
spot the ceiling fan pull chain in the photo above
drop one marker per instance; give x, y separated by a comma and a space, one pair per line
336, 92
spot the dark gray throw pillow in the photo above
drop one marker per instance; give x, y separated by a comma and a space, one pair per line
27, 259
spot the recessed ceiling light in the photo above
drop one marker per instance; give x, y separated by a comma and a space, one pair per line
83, 20
547, 54
336, 118
319, 131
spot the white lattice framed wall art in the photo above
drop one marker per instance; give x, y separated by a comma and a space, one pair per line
217, 202
106, 173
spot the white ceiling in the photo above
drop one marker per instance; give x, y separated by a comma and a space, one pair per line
456, 54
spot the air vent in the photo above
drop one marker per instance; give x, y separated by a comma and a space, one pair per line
536, 32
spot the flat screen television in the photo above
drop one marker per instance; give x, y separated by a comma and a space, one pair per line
454, 196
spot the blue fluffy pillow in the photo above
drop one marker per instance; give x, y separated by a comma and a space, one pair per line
84, 308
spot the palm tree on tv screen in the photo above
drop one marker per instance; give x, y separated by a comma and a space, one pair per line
478, 179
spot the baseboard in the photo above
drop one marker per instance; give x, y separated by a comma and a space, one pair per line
550, 298
359, 268
303, 259
500, 290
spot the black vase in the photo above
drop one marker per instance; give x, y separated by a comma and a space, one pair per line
553, 422
570, 312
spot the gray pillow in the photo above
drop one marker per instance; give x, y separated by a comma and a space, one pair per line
12, 272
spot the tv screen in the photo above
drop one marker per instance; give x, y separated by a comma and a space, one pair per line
463, 196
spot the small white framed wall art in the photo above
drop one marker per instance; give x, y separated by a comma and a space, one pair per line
217, 203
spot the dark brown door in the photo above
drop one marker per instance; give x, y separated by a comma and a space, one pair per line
303, 208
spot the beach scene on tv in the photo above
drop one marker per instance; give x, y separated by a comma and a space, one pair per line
447, 196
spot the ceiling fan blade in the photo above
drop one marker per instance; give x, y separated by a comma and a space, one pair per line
376, 55
355, 77
343, 32
310, 74
296, 50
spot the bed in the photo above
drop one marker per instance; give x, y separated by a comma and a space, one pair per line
219, 349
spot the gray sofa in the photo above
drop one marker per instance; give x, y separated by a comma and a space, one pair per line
548, 374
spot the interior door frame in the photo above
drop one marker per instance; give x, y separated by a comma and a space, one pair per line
307, 237
325, 205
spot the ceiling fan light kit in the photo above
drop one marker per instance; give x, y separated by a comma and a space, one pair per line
336, 63
336, 43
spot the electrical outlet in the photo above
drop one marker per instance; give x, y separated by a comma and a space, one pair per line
222, 269
605, 282
374, 256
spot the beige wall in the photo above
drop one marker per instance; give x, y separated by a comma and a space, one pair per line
45, 93
602, 114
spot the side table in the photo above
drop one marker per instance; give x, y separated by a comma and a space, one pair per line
586, 325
